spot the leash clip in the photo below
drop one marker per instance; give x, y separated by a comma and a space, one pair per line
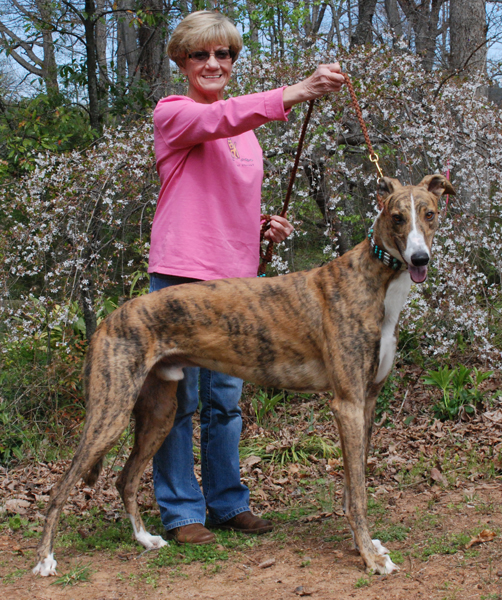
374, 158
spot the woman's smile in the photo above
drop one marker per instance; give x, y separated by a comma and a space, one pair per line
207, 76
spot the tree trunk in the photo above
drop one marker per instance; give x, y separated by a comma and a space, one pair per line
101, 52
424, 19
394, 18
91, 64
121, 58
254, 26
128, 45
363, 33
153, 62
87, 302
468, 36
49, 66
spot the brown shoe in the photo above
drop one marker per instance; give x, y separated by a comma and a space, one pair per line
246, 522
195, 533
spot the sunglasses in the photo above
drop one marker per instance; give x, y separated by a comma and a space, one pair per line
202, 56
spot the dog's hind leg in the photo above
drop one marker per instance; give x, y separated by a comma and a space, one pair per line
102, 429
154, 414
350, 416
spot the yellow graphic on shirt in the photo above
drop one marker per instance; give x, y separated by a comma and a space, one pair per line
233, 148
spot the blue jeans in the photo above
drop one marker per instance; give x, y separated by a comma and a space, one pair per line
177, 491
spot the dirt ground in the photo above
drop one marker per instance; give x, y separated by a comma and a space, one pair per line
305, 561
435, 501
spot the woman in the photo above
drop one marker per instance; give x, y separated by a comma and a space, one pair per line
207, 226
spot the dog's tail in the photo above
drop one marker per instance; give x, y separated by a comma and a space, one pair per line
92, 476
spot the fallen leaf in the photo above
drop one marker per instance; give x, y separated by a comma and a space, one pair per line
17, 506
260, 493
17, 548
485, 536
495, 416
281, 481
267, 563
251, 461
436, 475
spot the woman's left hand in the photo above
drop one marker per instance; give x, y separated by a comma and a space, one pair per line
279, 230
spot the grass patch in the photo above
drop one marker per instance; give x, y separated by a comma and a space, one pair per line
297, 450
78, 574
174, 555
92, 531
290, 515
375, 507
396, 557
11, 577
391, 533
446, 544
427, 520
362, 582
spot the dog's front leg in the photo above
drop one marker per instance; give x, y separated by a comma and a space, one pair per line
352, 425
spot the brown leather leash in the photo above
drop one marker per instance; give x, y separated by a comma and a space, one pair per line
266, 256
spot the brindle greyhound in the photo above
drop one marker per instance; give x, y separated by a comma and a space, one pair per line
332, 328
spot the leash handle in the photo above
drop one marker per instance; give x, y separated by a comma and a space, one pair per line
266, 256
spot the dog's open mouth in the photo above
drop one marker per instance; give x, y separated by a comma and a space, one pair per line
418, 274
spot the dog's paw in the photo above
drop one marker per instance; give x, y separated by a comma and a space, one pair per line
46, 567
149, 541
379, 547
156, 541
389, 566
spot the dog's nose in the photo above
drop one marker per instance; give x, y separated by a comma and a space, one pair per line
420, 259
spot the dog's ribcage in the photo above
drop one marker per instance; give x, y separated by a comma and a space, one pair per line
396, 295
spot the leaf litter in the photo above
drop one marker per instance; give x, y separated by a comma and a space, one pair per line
433, 478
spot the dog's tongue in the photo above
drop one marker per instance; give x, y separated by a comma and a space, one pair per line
417, 274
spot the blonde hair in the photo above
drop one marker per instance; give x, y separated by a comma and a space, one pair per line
202, 29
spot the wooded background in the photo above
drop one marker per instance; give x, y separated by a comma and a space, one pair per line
105, 56
78, 184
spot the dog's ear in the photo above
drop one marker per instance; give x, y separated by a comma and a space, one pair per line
437, 184
387, 186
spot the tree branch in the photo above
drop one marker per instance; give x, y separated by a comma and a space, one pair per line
5, 31
464, 66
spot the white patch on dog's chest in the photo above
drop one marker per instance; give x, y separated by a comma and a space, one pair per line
396, 295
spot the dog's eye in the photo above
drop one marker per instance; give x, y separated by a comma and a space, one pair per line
397, 219
430, 215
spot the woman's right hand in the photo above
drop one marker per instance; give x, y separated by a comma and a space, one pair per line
325, 79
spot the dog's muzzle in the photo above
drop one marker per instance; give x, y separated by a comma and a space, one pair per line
418, 266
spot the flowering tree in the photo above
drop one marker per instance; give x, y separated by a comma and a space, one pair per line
78, 226
73, 230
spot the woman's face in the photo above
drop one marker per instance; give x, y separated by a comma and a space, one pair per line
207, 78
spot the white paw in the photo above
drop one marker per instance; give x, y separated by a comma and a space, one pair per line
389, 565
380, 548
151, 542
46, 567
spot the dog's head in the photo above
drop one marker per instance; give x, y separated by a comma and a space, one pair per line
409, 219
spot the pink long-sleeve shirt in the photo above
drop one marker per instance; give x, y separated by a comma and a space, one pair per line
207, 222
